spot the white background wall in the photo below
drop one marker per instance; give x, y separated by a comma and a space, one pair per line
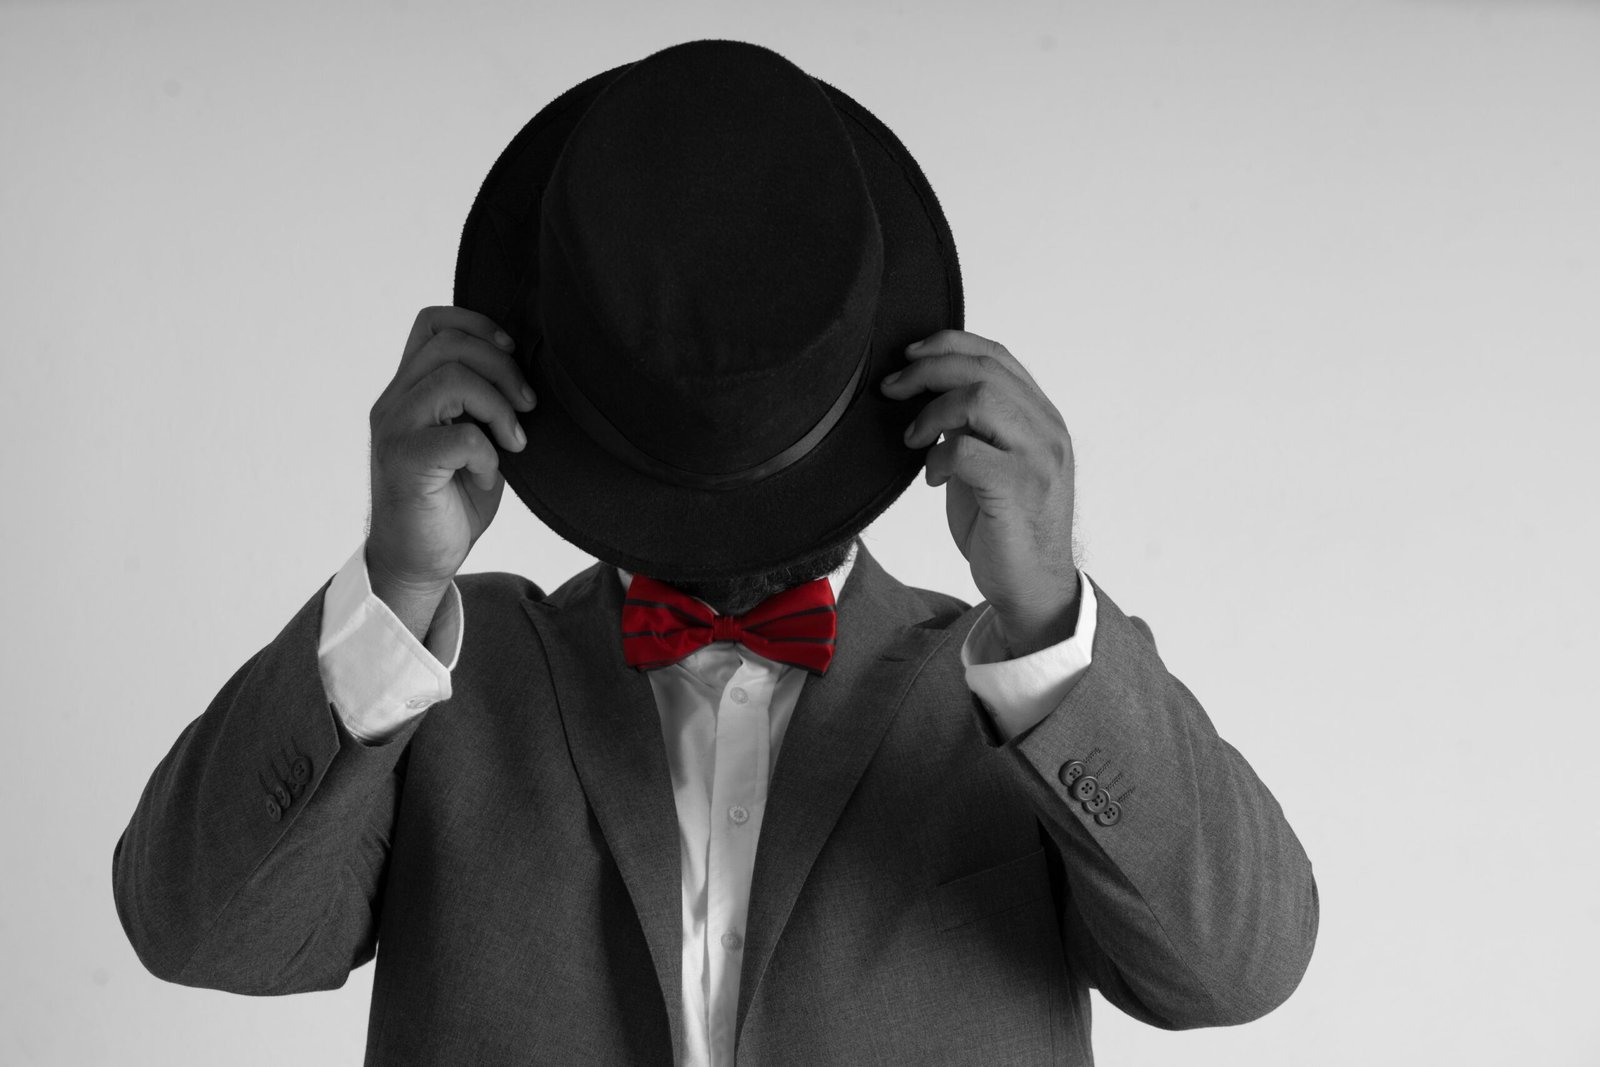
1314, 283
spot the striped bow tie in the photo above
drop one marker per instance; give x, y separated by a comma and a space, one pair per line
660, 625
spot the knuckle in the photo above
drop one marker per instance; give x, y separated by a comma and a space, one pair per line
469, 436
1060, 450
1007, 409
452, 376
480, 443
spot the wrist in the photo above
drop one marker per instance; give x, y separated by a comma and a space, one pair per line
413, 603
1022, 633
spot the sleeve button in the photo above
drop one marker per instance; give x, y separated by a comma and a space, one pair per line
1086, 787
280, 794
1097, 803
273, 811
1071, 772
1109, 817
300, 769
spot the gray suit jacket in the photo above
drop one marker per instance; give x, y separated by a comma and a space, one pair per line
923, 894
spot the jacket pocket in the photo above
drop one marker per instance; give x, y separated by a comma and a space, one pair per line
992, 890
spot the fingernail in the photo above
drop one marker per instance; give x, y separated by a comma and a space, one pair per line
890, 379
520, 437
527, 393
502, 339
915, 345
909, 431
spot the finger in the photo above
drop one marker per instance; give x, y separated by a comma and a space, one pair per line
979, 464
459, 447
455, 390
945, 371
951, 370
984, 408
945, 342
432, 320
488, 362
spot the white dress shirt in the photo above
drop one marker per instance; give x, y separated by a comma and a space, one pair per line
724, 710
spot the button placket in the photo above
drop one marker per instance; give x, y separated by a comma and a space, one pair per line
741, 765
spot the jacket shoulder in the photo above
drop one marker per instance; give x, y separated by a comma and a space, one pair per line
497, 589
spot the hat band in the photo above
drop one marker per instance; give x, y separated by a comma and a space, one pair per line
604, 433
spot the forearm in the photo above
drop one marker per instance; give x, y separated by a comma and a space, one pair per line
1193, 901
217, 883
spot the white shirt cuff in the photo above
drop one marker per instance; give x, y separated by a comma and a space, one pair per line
374, 670
1019, 693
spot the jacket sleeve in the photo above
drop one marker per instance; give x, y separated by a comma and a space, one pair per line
255, 857
1188, 899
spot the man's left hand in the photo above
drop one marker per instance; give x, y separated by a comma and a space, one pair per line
1006, 464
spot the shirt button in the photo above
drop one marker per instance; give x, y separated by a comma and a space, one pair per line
418, 703
738, 695
731, 941
739, 814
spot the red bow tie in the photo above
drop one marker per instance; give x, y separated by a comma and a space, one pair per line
660, 625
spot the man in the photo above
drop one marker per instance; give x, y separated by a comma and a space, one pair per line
733, 794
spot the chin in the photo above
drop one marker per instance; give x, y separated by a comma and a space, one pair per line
736, 594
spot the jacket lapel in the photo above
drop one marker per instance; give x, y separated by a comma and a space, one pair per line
837, 725
613, 730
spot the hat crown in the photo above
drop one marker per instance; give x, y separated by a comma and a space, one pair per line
710, 258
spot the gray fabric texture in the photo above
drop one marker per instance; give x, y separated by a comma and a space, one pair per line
923, 893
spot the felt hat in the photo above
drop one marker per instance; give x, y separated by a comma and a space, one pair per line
709, 260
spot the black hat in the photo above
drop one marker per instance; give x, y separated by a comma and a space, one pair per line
709, 260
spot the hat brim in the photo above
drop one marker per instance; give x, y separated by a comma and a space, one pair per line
625, 517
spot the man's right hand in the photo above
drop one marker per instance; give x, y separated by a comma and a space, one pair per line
436, 482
